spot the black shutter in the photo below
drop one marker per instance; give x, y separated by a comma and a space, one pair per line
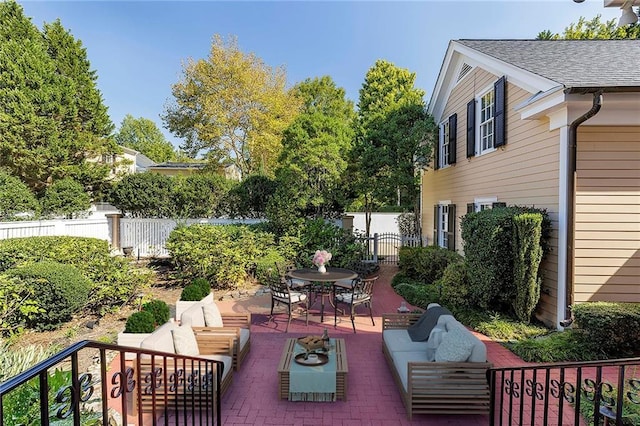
436, 150
435, 225
499, 117
471, 207
451, 231
497, 205
471, 128
453, 132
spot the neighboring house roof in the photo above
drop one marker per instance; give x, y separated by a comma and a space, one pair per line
572, 63
543, 67
142, 162
179, 166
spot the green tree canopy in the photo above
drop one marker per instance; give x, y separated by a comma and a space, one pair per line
52, 119
316, 149
233, 107
394, 135
15, 197
66, 197
144, 195
593, 29
144, 136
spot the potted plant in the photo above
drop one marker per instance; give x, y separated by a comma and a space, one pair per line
142, 323
199, 290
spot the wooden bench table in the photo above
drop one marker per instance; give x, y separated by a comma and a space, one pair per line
289, 352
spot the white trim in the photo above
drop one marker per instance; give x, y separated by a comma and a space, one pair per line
478, 121
563, 182
457, 54
477, 202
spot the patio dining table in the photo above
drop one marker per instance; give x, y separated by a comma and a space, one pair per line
332, 276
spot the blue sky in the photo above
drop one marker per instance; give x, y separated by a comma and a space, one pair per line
138, 48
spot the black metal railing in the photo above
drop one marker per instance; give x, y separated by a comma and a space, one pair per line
585, 393
96, 383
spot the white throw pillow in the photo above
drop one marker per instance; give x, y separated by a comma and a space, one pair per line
456, 346
184, 341
435, 338
212, 317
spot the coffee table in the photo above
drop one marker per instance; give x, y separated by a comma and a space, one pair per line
289, 352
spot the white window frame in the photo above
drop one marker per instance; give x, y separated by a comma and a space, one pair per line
443, 151
484, 203
443, 223
485, 119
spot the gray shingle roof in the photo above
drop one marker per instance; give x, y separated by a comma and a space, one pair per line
572, 63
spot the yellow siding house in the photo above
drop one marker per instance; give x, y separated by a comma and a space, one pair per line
553, 124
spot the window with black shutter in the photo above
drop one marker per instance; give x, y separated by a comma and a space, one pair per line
451, 228
453, 132
436, 150
436, 216
471, 207
471, 128
499, 112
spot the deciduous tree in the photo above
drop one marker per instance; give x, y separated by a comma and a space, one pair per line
394, 134
593, 29
144, 136
316, 148
232, 105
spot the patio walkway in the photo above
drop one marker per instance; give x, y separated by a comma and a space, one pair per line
372, 396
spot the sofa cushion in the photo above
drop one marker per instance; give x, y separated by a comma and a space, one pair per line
212, 317
456, 346
399, 340
435, 338
193, 317
401, 361
226, 359
421, 330
184, 341
245, 334
160, 340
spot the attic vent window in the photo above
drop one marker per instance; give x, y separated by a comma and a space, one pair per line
464, 71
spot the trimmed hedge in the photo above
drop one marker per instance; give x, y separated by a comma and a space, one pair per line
159, 309
614, 327
192, 293
454, 286
490, 253
114, 280
60, 290
426, 264
140, 322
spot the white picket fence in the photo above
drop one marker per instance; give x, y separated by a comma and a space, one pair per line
147, 237
96, 228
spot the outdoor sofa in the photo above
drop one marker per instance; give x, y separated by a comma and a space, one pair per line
445, 374
183, 381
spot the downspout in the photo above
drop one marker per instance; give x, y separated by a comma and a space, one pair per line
571, 195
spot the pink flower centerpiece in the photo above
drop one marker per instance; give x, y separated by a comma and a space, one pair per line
320, 258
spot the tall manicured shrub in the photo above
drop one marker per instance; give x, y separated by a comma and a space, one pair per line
454, 286
528, 255
489, 253
60, 290
66, 197
15, 197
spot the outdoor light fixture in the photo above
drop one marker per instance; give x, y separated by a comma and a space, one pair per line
628, 17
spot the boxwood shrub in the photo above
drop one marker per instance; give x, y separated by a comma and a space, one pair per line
140, 322
192, 293
60, 290
159, 309
426, 263
614, 327
115, 281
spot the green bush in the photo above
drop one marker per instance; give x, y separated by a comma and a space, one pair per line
203, 284
15, 197
565, 346
144, 195
159, 309
614, 327
489, 253
17, 305
266, 265
192, 293
426, 263
60, 290
140, 322
527, 231
317, 234
454, 286
66, 197
415, 292
114, 279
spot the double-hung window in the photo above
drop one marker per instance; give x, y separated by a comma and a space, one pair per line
445, 154
486, 123
444, 225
